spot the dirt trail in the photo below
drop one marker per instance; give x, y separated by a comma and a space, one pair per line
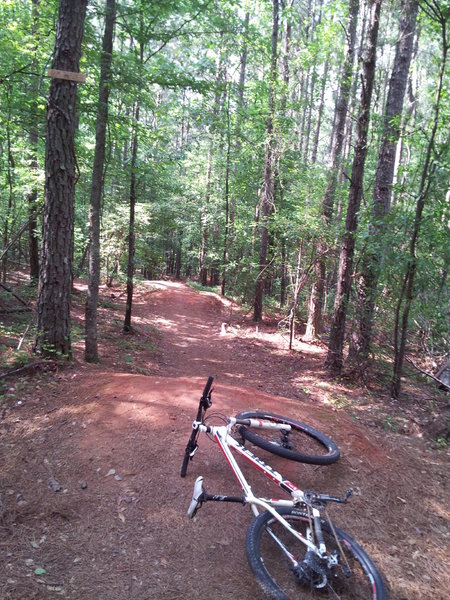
205, 334
114, 441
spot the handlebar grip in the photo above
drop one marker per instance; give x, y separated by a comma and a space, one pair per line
208, 386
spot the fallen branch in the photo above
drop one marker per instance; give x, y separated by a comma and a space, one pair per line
30, 366
444, 385
22, 339
21, 300
11, 242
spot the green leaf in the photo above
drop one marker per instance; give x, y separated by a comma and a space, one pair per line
40, 571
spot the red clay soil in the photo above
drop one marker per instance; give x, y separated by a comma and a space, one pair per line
113, 440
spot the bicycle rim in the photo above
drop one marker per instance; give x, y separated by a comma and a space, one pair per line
302, 443
274, 571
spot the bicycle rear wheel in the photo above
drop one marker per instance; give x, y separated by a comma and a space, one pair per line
278, 578
303, 443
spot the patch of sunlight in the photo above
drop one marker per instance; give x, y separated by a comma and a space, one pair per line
307, 348
166, 322
441, 511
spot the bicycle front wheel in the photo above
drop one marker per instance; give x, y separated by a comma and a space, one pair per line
269, 545
302, 443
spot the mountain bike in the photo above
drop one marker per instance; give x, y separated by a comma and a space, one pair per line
293, 548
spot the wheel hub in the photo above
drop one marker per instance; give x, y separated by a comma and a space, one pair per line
311, 571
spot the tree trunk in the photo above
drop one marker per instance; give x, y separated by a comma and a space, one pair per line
278, 187
354, 84
239, 107
178, 255
310, 103
360, 347
283, 279
131, 233
268, 196
33, 139
334, 359
320, 110
295, 298
55, 277
91, 346
227, 206
9, 212
204, 266
205, 233
406, 295
314, 324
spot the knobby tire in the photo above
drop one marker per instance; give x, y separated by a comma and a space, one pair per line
273, 570
302, 444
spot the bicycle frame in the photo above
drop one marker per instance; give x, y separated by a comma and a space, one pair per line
227, 443
315, 564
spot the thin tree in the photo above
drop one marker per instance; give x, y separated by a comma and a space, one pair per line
286, 73
227, 200
440, 15
131, 224
220, 78
230, 207
334, 358
55, 277
367, 287
314, 324
268, 194
33, 137
91, 345
10, 176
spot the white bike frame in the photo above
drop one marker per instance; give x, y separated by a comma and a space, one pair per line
227, 443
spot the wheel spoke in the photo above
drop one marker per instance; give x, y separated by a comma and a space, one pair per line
271, 549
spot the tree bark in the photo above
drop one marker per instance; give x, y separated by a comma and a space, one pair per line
204, 219
204, 266
9, 178
33, 139
55, 277
131, 227
178, 255
406, 295
91, 345
314, 323
367, 288
320, 110
226, 240
268, 195
239, 108
334, 358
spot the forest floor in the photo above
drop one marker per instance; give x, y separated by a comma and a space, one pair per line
110, 438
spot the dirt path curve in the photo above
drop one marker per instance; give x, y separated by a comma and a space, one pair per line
205, 334
117, 528
190, 324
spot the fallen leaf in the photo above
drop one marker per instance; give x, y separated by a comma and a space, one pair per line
40, 571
